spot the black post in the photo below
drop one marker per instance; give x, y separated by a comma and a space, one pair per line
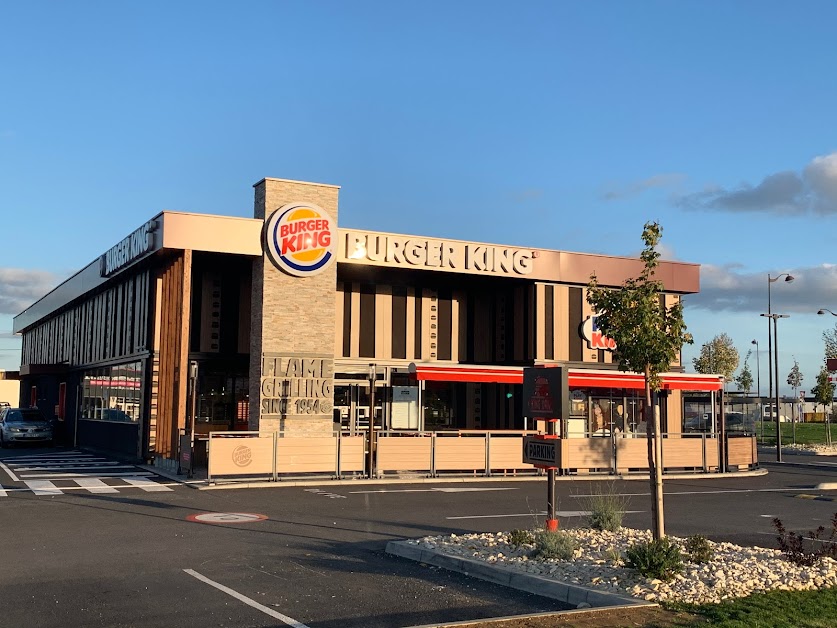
371, 427
776, 372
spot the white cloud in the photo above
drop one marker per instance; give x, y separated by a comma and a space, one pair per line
725, 289
813, 190
19, 288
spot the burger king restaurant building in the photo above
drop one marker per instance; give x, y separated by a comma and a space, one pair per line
285, 323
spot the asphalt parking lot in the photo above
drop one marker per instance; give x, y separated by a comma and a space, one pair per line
314, 556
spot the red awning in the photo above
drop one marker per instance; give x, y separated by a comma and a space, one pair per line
578, 378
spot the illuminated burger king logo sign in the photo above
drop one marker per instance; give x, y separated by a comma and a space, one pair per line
593, 335
300, 238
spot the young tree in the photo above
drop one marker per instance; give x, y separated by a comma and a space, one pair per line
794, 379
829, 337
649, 337
745, 377
719, 355
823, 392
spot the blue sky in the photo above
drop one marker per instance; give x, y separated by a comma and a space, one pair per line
561, 125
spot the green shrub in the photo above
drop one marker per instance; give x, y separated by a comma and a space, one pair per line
614, 555
556, 544
660, 559
521, 537
606, 507
698, 549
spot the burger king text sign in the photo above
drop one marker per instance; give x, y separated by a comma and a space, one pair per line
300, 239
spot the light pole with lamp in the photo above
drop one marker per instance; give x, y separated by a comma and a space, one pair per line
758, 385
775, 317
770, 280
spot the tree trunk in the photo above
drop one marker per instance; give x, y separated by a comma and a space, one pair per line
655, 474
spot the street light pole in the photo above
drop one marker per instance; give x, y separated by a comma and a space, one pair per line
770, 280
758, 386
775, 317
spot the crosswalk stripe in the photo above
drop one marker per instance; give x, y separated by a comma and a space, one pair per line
99, 465
95, 485
130, 474
146, 484
43, 487
53, 467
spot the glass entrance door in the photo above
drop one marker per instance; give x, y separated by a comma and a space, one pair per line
351, 401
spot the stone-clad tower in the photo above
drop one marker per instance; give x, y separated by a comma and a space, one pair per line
293, 312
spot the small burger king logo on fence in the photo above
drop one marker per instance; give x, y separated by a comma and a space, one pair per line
300, 238
242, 456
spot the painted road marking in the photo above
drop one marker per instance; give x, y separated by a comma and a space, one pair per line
718, 492
243, 598
434, 490
55, 476
145, 484
819, 498
95, 485
559, 513
226, 517
317, 491
43, 487
9, 472
76, 467
80, 485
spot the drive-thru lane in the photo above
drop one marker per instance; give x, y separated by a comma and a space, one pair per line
316, 555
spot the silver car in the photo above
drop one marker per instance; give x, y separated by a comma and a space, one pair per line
24, 425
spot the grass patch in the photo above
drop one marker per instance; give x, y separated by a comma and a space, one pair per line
775, 609
806, 433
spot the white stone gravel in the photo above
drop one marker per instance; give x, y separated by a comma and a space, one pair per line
814, 449
735, 571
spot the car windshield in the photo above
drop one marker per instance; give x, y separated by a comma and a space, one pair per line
24, 416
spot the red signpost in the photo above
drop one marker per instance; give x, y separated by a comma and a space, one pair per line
545, 396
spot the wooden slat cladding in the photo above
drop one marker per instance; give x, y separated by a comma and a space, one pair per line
576, 308
174, 313
108, 326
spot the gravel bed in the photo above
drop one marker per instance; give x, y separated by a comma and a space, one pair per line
735, 571
815, 449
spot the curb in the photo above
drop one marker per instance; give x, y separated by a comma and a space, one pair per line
802, 465
201, 484
537, 585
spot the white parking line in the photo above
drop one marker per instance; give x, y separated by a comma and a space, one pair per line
434, 490
718, 492
249, 602
560, 513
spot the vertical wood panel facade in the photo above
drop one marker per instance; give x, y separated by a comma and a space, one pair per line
174, 314
97, 330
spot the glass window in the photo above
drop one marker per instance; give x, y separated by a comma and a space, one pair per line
112, 393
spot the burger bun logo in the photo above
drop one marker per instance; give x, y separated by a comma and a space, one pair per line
300, 239
242, 456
